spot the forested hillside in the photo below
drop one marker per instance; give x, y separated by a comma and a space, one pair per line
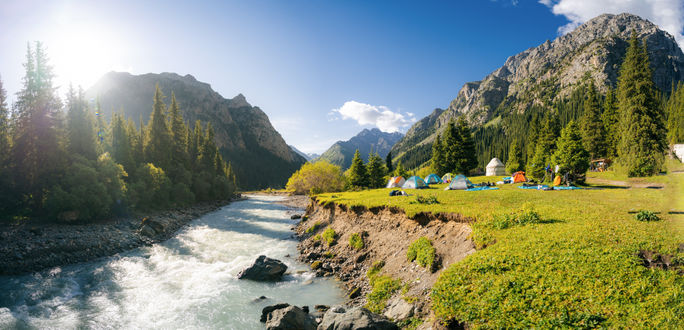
64, 161
244, 134
366, 142
551, 83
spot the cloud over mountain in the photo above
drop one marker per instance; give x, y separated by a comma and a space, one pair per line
379, 116
667, 14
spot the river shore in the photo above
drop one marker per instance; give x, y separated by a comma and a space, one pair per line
35, 245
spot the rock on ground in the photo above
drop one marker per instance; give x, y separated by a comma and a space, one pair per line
399, 309
356, 318
290, 318
264, 269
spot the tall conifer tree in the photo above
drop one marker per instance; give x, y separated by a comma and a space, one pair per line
80, 126
642, 144
376, 171
159, 141
388, 162
514, 162
593, 133
610, 118
438, 160
358, 175
467, 158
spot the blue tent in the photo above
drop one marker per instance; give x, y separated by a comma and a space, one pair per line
459, 182
415, 182
432, 179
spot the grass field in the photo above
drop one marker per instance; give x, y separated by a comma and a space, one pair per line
578, 268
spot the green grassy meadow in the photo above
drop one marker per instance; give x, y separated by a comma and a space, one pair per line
579, 268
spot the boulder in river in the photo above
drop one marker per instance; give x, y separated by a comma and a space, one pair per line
264, 269
290, 318
354, 318
268, 309
296, 216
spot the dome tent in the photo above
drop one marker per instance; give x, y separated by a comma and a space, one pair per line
459, 182
395, 182
432, 179
415, 182
447, 177
496, 167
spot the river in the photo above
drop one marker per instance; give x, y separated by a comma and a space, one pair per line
188, 281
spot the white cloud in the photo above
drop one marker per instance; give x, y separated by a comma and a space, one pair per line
379, 116
667, 14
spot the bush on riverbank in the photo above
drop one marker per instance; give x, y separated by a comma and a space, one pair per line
356, 241
422, 251
316, 178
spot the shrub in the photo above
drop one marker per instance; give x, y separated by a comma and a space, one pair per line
313, 228
645, 215
422, 251
316, 178
374, 270
383, 288
356, 241
526, 215
425, 200
329, 236
315, 265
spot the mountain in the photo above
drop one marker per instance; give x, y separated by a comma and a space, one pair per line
545, 76
342, 152
309, 157
244, 134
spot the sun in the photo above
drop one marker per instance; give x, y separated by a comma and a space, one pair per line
80, 55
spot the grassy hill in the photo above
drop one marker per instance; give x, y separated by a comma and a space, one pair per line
582, 263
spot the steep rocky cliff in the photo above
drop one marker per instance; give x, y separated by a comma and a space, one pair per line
244, 133
342, 152
551, 71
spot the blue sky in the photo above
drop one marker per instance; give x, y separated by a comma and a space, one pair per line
302, 62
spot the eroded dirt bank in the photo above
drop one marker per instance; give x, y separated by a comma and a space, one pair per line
387, 236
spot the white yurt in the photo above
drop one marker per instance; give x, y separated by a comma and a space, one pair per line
495, 168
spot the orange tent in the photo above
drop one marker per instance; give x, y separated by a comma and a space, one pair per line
518, 177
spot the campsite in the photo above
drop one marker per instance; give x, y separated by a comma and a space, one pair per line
588, 236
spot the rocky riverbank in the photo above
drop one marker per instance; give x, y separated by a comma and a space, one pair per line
34, 246
387, 234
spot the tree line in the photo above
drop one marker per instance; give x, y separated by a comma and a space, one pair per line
633, 124
64, 161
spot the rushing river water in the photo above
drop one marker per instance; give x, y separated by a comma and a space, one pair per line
186, 282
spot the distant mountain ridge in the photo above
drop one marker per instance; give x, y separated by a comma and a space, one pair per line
543, 75
309, 157
244, 134
375, 140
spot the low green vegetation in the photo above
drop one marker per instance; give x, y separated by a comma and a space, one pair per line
383, 287
422, 251
559, 258
645, 215
329, 236
410, 323
425, 200
315, 265
375, 268
313, 228
356, 241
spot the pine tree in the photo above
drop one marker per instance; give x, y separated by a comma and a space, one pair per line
570, 155
400, 171
37, 153
208, 150
179, 131
675, 115
452, 145
514, 162
121, 144
376, 171
388, 162
159, 142
358, 175
438, 160
195, 145
642, 144
593, 134
4, 129
80, 126
467, 158
532, 137
545, 146
610, 119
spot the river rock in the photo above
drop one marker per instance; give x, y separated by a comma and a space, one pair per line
264, 269
290, 318
268, 309
339, 318
296, 216
398, 309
